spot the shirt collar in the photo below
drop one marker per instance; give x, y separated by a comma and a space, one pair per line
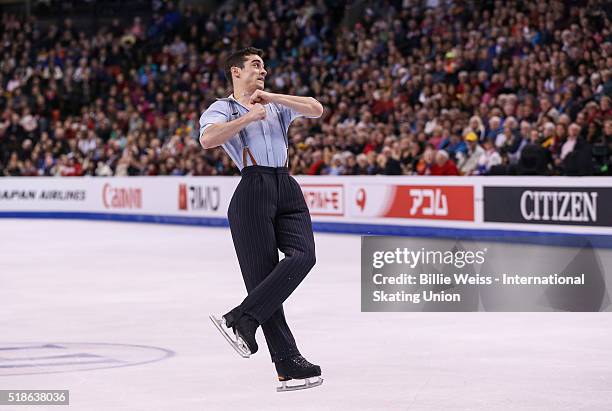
234, 98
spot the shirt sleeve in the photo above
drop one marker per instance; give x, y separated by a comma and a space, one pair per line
215, 114
290, 114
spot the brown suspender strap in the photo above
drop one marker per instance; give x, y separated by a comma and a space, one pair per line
246, 150
243, 137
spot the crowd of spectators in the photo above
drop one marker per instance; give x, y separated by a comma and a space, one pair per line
410, 87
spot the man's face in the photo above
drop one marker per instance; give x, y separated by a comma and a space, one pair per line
252, 76
608, 128
440, 159
574, 131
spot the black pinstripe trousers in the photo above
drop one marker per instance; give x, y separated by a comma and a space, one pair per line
268, 213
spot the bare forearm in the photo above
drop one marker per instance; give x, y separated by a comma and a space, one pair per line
307, 106
218, 134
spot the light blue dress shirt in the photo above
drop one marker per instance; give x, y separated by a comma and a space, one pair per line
266, 139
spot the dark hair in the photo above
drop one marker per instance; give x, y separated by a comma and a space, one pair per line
236, 59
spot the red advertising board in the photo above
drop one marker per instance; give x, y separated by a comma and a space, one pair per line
432, 203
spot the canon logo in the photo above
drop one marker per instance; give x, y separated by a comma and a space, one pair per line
120, 197
559, 206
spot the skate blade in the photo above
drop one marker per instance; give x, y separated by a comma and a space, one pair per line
238, 344
308, 383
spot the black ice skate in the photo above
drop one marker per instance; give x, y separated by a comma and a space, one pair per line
243, 337
297, 368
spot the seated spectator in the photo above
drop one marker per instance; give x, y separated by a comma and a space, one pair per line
373, 163
362, 164
512, 141
350, 164
425, 162
468, 162
476, 126
495, 129
317, 164
489, 158
570, 143
14, 166
392, 162
534, 159
454, 145
576, 154
381, 164
443, 165
337, 166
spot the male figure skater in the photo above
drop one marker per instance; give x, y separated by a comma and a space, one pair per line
267, 212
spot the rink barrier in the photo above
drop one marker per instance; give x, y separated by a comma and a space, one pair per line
550, 210
504, 236
130, 218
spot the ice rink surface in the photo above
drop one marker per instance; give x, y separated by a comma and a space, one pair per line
83, 287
